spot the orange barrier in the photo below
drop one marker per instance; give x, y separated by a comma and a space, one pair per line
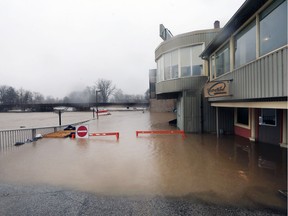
106, 134
162, 132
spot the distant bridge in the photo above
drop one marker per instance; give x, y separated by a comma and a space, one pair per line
49, 107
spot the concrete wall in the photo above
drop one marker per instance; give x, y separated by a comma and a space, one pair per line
162, 105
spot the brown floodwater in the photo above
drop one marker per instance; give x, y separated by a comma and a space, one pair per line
225, 170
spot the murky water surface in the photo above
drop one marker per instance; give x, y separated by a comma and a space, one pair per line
36, 119
225, 170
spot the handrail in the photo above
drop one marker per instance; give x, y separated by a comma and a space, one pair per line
45, 127
9, 137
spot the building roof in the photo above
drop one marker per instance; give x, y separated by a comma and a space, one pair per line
248, 9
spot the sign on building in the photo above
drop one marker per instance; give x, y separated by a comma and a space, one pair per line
217, 89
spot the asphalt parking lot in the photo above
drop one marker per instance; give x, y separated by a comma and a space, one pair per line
48, 200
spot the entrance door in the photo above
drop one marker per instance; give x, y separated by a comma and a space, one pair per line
269, 126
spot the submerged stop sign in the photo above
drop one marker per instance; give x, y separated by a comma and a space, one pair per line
82, 131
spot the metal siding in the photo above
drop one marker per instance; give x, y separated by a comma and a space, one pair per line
284, 71
279, 75
275, 78
209, 117
192, 112
263, 78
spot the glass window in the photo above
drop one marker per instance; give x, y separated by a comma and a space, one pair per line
222, 60
167, 66
160, 70
268, 117
212, 62
245, 45
185, 62
273, 27
243, 116
197, 62
174, 66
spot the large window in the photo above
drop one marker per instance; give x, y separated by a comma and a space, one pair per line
185, 62
197, 62
273, 34
243, 116
167, 66
190, 62
222, 60
160, 70
245, 45
213, 68
174, 64
268, 117
273, 27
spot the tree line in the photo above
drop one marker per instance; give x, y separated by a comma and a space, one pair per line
103, 91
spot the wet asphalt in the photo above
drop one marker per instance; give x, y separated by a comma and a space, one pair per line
49, 200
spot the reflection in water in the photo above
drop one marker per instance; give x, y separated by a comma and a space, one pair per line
225, 170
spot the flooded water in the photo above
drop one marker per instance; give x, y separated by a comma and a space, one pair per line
40, 119
228, 170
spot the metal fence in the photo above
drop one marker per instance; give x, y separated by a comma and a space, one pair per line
8, 138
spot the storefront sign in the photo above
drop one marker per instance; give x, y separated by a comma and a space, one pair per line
217, 89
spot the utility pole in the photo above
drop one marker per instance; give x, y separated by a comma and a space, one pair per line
97, 103
59, 113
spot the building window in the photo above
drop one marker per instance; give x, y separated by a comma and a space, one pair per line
245, 45
273, 27
268, 117
222, 60
185, 62
160, 70
174, 64
167, 66
197, 62
242, 116
213, 68
188, 59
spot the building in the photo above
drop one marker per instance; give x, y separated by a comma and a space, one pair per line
165, 105
248, 73
181, 75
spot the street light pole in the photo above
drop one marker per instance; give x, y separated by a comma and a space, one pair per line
97, 103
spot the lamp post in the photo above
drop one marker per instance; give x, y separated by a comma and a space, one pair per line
97, 102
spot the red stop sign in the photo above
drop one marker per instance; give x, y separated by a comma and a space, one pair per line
82, 131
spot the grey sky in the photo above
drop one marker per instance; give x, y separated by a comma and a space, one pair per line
58, 46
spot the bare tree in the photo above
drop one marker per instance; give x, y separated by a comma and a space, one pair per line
105, 88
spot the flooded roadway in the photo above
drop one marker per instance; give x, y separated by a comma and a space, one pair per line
228, 170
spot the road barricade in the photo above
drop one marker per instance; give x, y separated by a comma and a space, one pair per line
106, 134
181, 132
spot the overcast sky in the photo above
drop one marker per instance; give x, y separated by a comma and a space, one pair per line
57, 46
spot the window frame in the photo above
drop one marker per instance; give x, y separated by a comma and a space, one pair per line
239, 34
236, 123
261, 120
221, 50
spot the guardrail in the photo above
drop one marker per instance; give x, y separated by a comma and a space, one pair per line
8, 138
106, 134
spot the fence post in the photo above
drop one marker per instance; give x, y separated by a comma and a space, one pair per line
33, 133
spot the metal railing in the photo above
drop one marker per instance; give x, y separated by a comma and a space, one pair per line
8, 138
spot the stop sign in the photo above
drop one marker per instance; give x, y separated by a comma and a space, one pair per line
82, 131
